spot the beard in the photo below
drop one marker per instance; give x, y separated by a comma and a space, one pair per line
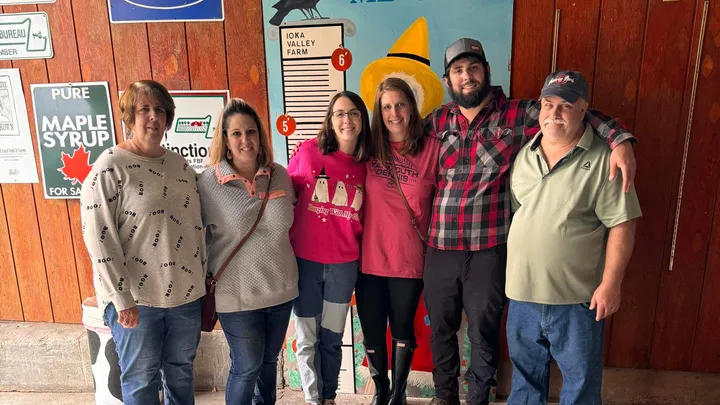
473, 99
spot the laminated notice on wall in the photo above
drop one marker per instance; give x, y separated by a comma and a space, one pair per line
17, 158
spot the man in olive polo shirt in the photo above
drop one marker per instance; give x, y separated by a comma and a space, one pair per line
569, 243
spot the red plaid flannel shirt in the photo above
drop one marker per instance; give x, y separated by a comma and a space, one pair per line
472, 208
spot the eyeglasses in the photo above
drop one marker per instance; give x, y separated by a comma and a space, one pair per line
353, 114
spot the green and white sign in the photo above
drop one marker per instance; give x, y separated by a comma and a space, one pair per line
196, 116
25, 36
74, 126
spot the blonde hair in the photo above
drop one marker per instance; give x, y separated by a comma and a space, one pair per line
218, 147
151, 89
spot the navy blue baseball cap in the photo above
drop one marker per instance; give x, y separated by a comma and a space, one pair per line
566, 84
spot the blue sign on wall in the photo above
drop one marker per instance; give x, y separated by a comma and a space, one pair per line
128, 11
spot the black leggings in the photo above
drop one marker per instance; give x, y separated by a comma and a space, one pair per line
379, 298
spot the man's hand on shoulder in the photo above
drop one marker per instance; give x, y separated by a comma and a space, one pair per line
623, 158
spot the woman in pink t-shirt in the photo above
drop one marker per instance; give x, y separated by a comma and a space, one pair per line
396, 224
328, 174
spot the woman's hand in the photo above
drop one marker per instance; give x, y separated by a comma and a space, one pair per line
129, 318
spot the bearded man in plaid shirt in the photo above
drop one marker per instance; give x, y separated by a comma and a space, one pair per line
481, 132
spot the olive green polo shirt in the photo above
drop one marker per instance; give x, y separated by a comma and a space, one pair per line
556, 245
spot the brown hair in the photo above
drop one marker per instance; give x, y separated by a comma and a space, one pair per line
327, 141
151, 89
218, 147
380, 134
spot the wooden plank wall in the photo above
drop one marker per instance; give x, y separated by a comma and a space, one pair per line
638, 55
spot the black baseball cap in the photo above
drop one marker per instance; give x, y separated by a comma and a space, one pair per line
566, 84
461, 47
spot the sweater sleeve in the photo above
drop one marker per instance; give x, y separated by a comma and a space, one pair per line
99, 202
284, 182
295, 164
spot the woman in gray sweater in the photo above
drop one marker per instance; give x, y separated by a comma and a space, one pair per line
254, 294
142, 227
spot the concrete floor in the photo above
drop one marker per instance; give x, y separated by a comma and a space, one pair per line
285, 397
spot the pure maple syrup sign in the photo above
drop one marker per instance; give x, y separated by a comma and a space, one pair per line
74, 126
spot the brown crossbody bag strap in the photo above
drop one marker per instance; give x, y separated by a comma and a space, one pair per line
214, 279
407, 204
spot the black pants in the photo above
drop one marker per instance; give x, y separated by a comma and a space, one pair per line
473, 281
379, 298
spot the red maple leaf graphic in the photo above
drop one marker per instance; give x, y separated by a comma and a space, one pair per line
76, 167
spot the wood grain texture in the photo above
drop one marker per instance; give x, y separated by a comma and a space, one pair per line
82, 258
706, 352
617, 72
11, 309
95, 50
23, 216
532, 47
247, 74
64, 67
52, 215
206, 56
132, 56
168, 57
682, 289
577, 42
658, 124
619, 54
9, 292
27, 250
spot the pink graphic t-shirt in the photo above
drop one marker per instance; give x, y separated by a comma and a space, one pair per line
391, 246
328, 215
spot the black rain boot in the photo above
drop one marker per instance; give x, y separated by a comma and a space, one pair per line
402, 356
378, 364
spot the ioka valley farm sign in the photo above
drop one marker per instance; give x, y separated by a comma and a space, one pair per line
74, 126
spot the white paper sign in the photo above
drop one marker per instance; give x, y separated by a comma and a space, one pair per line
17, 158
25, 36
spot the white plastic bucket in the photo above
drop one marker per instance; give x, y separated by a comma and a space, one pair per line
104, 358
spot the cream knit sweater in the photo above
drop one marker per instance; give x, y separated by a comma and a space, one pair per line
142, 228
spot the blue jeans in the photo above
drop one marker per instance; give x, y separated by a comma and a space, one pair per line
320, 312
571, 335
165, 341
255, 339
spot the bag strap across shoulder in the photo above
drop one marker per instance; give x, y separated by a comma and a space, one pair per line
407, 204
213, 280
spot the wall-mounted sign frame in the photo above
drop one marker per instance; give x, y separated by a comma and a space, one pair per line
25, 36
137, 11
74, 125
